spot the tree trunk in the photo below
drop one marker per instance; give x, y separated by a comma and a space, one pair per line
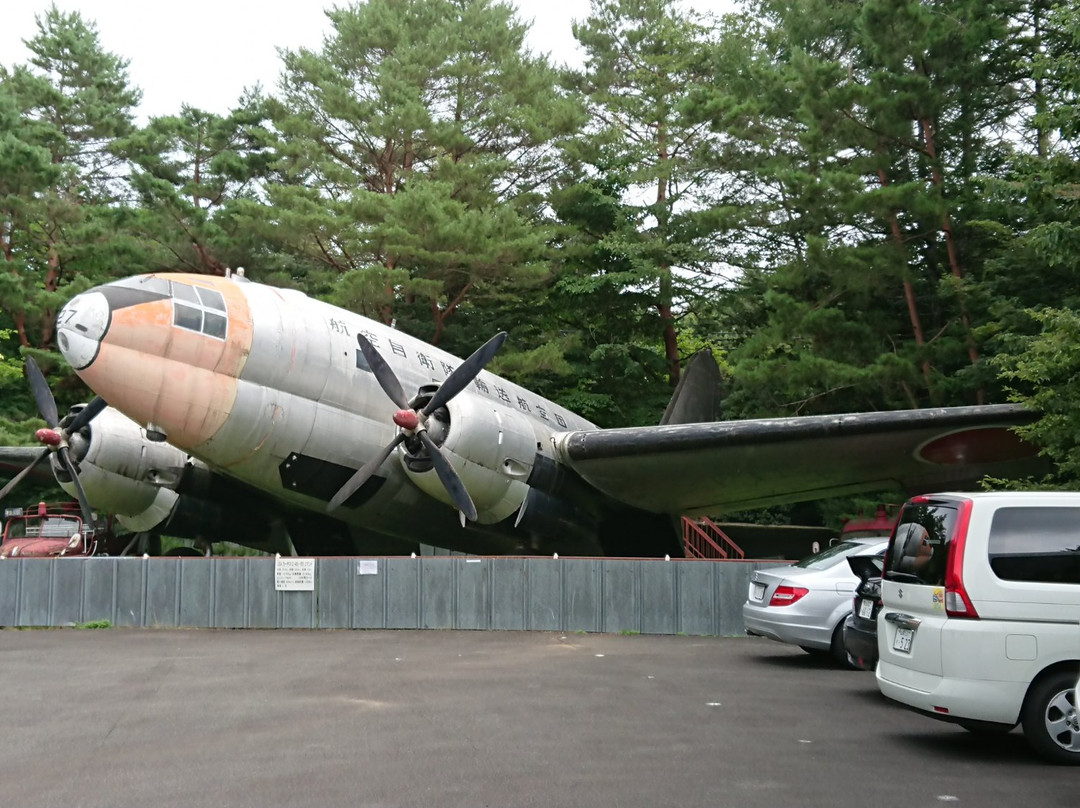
897, 237
955, 266
441, 315
666, 290
52, 282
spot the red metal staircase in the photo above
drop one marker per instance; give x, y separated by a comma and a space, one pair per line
703, 539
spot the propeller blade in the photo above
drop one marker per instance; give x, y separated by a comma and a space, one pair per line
464, 373
363, 474
450, 480
19, 477
383, 373
46, 404
87, 414
80, 494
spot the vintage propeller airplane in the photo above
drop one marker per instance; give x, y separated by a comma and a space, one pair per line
297, 425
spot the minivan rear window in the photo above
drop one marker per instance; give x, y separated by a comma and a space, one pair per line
919, 548
1036, 544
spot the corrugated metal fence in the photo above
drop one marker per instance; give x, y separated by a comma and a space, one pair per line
539, 594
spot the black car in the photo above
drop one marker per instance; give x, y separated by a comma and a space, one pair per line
860, 628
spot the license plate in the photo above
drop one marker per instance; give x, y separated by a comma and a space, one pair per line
757, 591
866, 608
902, 640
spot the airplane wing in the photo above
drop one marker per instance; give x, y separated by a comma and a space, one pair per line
13, 459
727, 466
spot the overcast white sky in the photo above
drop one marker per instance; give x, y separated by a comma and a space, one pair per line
205, 52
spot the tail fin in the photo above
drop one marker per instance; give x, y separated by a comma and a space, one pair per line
697, 395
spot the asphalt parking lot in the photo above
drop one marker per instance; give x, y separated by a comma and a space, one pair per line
121, 717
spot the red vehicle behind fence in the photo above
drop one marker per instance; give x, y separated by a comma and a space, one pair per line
52, 531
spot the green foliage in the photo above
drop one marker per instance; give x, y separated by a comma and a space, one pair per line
192, 172
1057, 67
1044, 371
91, 624
870, 127
645, 165
59, 179
412, 145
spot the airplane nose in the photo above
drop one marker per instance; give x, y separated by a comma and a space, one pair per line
80, 326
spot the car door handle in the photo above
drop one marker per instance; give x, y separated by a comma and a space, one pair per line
903, 620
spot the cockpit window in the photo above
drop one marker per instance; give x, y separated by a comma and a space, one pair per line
145, 283
182, 291
211, 298
198, 308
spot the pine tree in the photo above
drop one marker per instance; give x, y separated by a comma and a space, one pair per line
877, 120
190, 171
72, 101
644, 60
415, 146
1033, 280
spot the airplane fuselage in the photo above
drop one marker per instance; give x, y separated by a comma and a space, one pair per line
269, 386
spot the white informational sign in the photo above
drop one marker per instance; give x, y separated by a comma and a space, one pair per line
367, 566
294, 574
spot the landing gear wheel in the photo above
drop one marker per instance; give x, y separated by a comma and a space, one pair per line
1050, 718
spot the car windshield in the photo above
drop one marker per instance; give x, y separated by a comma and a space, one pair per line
831, 556
35, 527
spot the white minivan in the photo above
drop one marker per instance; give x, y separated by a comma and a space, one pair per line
980, 607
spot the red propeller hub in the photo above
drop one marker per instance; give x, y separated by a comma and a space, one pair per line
50, 437
406, 419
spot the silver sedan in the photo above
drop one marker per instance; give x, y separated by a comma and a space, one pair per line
805, 604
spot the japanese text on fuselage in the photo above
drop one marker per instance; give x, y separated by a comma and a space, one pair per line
510, 398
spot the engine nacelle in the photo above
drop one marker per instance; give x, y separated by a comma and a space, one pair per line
492, 449
124, 473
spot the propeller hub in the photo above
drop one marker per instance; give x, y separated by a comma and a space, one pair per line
406, 419
49, 437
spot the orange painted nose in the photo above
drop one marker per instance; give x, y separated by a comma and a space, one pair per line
166, 350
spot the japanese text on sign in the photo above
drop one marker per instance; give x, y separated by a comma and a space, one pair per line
294, 574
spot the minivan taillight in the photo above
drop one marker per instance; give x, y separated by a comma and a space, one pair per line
957, 602
786, 595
